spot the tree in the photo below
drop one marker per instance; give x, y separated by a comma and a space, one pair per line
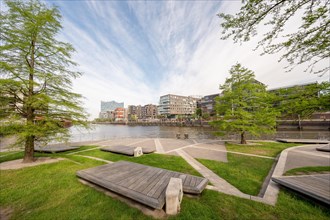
36, 76
309, 44
244, 105
198, 112
301, 102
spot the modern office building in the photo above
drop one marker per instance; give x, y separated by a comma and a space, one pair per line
207, 104
173, 105
108, 107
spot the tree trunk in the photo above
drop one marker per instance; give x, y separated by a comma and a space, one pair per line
29, 141
243, 140
29, 150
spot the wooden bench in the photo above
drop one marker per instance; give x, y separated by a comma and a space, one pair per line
315, 186
127, 150
325, 148
141, 183
54, 149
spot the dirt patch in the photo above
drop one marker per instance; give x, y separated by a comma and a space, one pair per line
5, 213
18, 164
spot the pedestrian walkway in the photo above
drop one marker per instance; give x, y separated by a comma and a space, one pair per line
218, 182
94, 158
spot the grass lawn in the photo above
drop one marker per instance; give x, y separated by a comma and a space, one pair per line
307, 170
6, 156
52, 191
244, 172
271, 149
169, 162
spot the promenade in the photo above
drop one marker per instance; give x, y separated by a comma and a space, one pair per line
192, 149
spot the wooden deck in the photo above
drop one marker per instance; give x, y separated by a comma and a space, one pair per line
314, 186
142, 183
303, 141
325, 148
54, 149
127, 150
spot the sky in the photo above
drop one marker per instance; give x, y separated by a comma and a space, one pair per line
136, 51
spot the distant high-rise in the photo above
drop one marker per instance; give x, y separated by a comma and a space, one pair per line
111, 106
108, 107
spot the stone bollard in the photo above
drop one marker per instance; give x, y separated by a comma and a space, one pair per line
186, 136
173, 196
178, 136
138, 152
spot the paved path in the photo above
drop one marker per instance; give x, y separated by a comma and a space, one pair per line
94, 158
306, 155
218, 182
159, 146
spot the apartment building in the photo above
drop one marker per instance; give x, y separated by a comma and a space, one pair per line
149, 111
207, 104
119, 114
172, 105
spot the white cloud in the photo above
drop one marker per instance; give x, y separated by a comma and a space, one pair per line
152, 48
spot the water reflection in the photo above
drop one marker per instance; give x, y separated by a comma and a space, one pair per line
101, 132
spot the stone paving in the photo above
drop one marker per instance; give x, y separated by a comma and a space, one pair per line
206, 154
306, 156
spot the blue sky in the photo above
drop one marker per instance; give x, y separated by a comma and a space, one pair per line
136, 51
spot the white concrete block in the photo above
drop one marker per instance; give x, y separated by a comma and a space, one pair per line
173, 195
138, 152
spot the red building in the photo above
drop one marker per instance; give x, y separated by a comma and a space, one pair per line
119, 114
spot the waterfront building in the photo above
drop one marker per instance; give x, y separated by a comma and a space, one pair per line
109, 106
131, 113
207, 104
119, 114
139, 110
174, 105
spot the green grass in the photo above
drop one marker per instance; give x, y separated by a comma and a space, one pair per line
307, 170
8, 153
244, 172
169, 162
11, 156
270, 149
52, 191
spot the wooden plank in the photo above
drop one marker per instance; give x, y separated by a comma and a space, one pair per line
309, 182
187, 181
164, 178
303, 141
314, 186
154, 181
140, 186
193, 181
124, 175
154, 203
163, 185
325, 148
136, 178
151, 182
142, 183
55, 149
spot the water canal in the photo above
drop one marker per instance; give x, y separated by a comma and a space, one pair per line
101, 132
